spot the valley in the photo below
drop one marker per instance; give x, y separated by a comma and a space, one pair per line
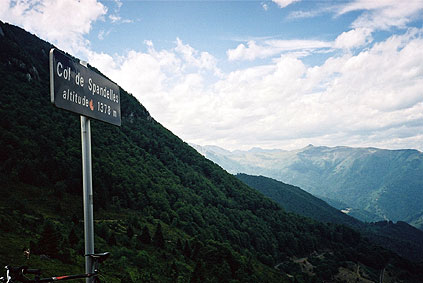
375, 184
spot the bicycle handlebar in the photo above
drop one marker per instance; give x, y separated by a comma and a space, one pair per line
27, 270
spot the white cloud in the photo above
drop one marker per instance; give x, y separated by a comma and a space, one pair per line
246, 53
39, 16
285, 3
353, 38
323, 7
382, 15
165, 81
115, 17
303, 14
370, 97
271, 48
355, 100
118, 3
204, 61
102, 34
136, 71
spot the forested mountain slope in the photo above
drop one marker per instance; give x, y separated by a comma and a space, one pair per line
384, 184
164, 212
400, 237
298, 201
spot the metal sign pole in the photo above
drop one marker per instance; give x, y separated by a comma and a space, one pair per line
76, 88
88, 193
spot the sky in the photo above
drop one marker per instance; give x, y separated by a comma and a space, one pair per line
242, 74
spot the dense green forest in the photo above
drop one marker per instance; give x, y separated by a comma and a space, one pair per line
164, 212
400, 237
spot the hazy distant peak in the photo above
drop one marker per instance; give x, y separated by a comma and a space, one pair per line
203, 149
256, 149
260, 150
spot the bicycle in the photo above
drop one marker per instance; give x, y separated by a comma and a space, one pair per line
17, 274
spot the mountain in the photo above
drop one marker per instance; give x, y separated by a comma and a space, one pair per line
400, 237
166, 213
384, 183
298, 201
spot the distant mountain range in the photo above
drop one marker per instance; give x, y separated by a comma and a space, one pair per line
368, 183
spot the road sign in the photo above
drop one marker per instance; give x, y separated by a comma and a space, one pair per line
78, 89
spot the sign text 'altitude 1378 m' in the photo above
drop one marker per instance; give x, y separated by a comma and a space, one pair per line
78, 89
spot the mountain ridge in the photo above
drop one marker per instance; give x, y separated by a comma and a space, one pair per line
380, 182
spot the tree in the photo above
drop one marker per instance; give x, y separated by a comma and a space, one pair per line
174, 271
158, 239
179, 245
196, 249
187, 249
198, 273
126, 277
145, 237
112, 240
50, 240
73, 238
130, 231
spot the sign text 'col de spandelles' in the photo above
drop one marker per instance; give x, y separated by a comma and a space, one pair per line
78, 89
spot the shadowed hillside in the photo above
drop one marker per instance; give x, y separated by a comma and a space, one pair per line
400, 237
